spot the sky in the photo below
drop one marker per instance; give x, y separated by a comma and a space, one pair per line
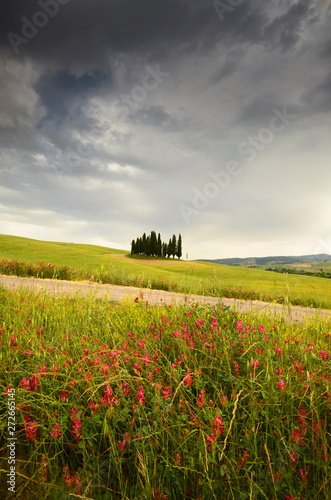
207, 118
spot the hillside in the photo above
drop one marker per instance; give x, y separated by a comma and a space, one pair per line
113, 266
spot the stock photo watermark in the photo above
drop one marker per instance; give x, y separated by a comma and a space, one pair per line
249, 148
31, 27
11, 422
223, 7
128, 102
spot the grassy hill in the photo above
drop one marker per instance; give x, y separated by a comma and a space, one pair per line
108, 265
315, 262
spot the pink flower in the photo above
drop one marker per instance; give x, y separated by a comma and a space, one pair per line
324, 355
201, 399
166, 393
297, 437
281, 385
31, 431
278, 351
218, 426
188, 378
56, 431
211, 439
122, 445
64, 396
140, 396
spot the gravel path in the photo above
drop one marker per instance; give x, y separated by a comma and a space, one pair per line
156, 297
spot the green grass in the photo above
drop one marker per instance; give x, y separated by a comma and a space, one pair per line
93, 262
127, 401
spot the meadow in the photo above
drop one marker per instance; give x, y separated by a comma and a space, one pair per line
105, 265
128, 401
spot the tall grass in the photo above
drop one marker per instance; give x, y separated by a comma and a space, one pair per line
133, 402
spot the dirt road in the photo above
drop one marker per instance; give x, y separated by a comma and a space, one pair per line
157, 297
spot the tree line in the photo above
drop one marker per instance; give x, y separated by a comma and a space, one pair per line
152, 245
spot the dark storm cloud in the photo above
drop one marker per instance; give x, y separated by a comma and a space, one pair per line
150, 27
59, 92
284, 31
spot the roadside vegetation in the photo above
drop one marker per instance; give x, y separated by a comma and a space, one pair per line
128, 401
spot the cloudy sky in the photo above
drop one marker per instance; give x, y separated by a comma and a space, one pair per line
207, 118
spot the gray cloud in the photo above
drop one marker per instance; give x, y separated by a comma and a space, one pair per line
92, 148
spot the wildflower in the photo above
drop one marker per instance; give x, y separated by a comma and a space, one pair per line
281, 385
108, 399
166, 393
64, 396
239, 326
178, 459
297, 437
140, 396
236, 368
43, 469
324, 355
76, 426
137, 367
31, 431
211, 439
218, 426
188, 378
294, 457
278, 351
241, 462
201, 399
122, 445
94, 407
56, 431
224, 399
71, 481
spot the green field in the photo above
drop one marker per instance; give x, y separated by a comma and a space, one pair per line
94, 263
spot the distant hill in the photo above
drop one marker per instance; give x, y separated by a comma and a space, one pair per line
273, 260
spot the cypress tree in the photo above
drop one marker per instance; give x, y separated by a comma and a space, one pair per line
164, 249
148, 246
133, 247
169, 249
153, 249
174, 246
159, 246
179, 246
143, 244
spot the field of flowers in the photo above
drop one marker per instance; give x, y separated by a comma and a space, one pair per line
133, 402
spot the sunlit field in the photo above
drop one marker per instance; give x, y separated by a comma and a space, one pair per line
99, 264
128, 401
